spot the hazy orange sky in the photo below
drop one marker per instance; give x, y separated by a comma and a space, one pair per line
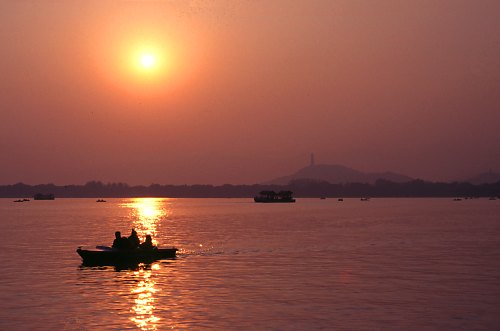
244, 91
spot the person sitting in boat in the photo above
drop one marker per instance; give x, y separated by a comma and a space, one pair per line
121, 242
148, 243
134, 239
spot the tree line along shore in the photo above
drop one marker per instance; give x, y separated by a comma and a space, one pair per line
300, 188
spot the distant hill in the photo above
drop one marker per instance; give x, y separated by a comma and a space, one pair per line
337, 174
484, 178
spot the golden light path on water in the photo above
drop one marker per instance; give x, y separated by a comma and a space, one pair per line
147, 214
144, 306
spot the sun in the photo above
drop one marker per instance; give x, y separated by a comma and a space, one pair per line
145, 65
147, 61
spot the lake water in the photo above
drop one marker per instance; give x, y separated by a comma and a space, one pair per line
383, 264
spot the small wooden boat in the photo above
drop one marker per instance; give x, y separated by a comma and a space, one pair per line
107, 256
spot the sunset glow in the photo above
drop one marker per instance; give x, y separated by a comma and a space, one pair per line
254, 165
207, 82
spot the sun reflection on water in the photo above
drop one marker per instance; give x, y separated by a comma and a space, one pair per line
144, 306
147, 214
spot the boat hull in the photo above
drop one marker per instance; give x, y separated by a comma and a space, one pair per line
113, 257
41, 196
265, 200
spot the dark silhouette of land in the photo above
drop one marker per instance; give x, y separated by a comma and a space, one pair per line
486, 177
300, 187
338, 174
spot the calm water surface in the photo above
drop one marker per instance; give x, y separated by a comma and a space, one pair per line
385, 264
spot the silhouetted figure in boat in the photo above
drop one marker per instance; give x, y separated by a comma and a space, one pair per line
148, 243
121, 242
117, 243
134, 239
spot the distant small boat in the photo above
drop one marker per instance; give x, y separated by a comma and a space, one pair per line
19, 200
365, 199
26, 199
100, 200
323, 198
457, 199
340, 199
273, 197
40, 196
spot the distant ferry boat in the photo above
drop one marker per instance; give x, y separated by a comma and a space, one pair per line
40, 196
273, 197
